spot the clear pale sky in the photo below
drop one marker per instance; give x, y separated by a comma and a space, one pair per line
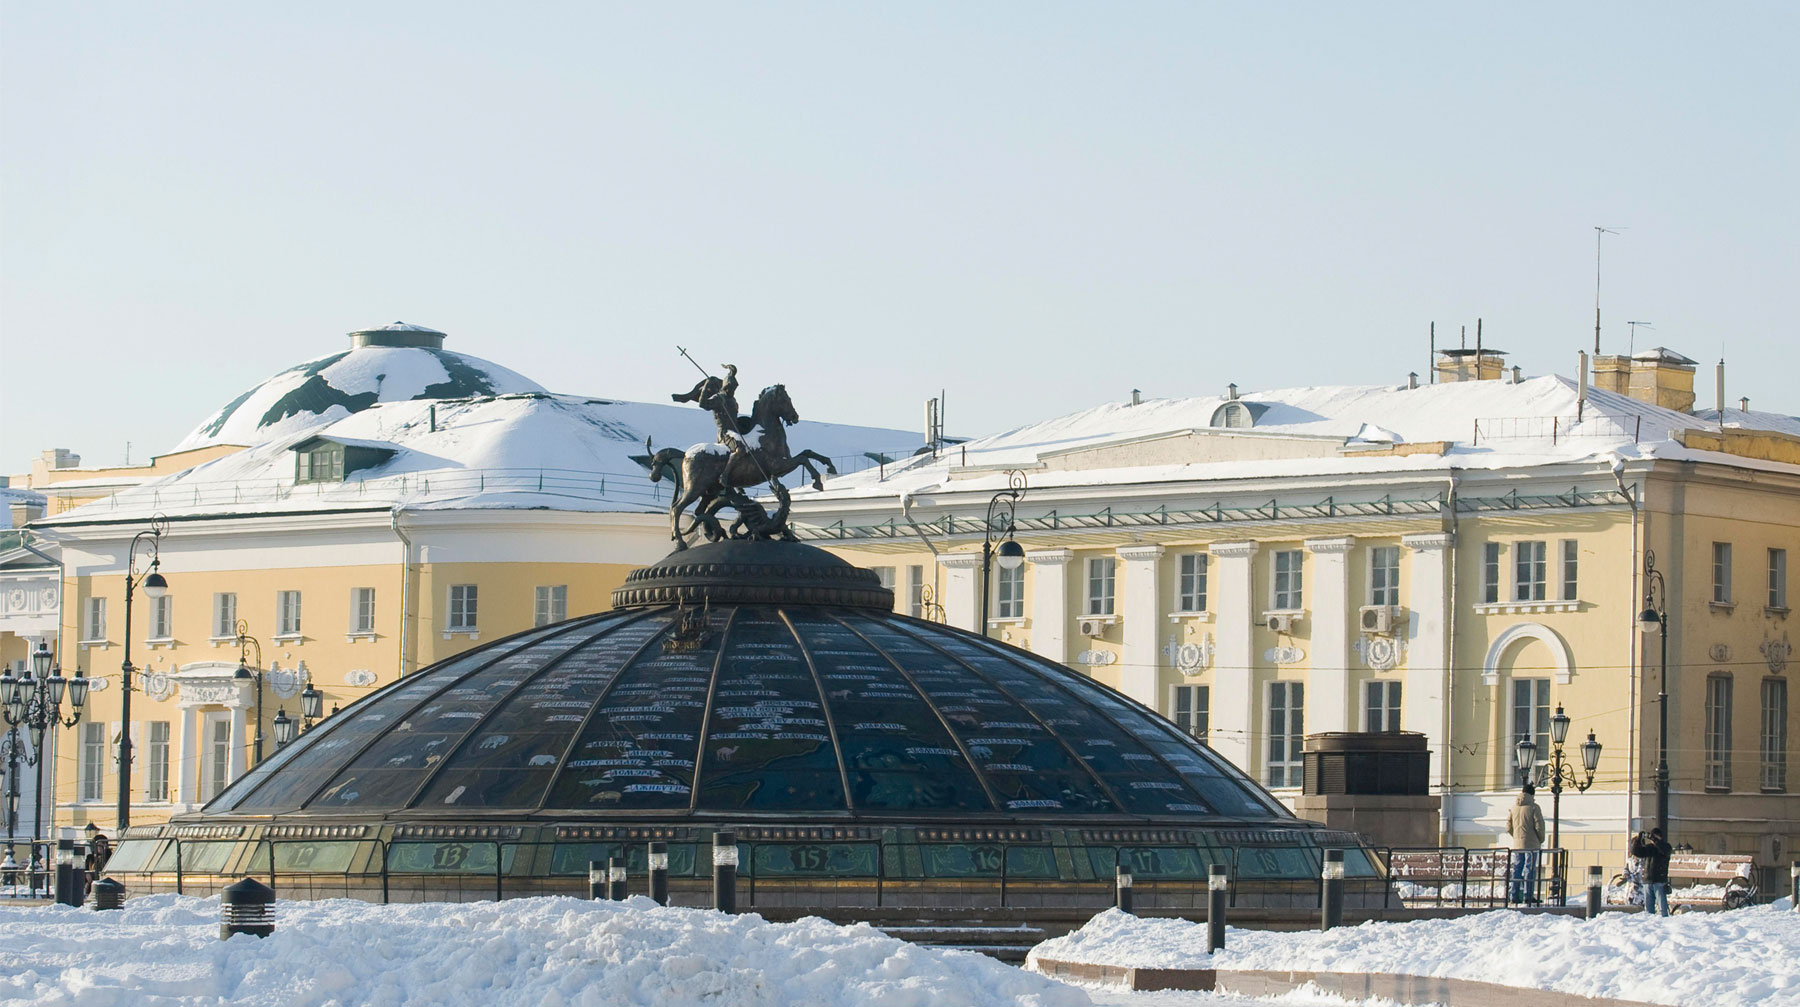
1034, 206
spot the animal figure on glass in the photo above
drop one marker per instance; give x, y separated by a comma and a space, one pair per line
751, 451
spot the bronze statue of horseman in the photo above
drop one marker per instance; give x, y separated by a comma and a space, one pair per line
750, 451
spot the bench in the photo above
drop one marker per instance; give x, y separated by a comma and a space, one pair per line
1719, 880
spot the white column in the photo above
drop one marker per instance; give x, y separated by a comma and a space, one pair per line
962, 592
1426, 688
1050, 603
240, 738
1143, 615
1233, 701
187, 780
1328, 680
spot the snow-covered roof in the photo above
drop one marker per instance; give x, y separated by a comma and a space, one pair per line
1752, 419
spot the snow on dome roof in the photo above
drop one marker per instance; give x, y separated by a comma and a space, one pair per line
391, 363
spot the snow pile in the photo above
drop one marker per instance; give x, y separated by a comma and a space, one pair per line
1751, 956
555, 952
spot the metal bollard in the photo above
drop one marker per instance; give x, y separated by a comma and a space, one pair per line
71, 880
615, 879
1596, 886
247, 907
1794, 876
725, 865
596, 880
108, 894
1331, 898
659, 873
1218, 885
1122, 885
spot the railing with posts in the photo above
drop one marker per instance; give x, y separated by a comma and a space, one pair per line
1462, 877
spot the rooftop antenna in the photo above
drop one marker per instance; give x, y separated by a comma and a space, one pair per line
1431, 363
1631, 347
1599, 232
128, 452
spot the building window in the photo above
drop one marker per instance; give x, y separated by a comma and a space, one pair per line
1384, 575
551, 604
1100, 586
915, 591
362, 611
93, 761
1774, 735
1490, 572
324, 464
1192, 594
1383, 706
162, 618
287, 613
1193, 710
1721, 573
215, 770
1287, 734
1718, 732
885, 574
156, 761
224, 615
462, 608
95, 620
1778, 578
1529, 571
1009, 592
1531, 719
1571, 567
1287, 580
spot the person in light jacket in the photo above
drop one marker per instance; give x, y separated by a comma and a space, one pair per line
1526, 823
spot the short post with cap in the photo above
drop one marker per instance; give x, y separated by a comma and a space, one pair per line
1122, 885
659, 873
615, 879
725, 865
108, 894
596, 880
1794, 879
1218, 884
1331, 897
1594, 892
247, 907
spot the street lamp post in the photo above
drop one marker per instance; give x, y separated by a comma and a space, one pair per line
34, 702
154, 587
1563, 772
247, 643
1656, 617
1009, 553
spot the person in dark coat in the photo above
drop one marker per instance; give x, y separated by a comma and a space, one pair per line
1653, 850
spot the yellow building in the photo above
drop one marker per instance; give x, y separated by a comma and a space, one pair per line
1460, 559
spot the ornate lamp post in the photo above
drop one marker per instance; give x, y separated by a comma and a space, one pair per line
1562, 773
1526, 751
34, 702
155, 587
1009, 553
247, 643
1655, 617
312, 705
284, 728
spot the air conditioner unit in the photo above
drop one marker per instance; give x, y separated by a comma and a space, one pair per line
1093, 627
1379, 619
1279, 622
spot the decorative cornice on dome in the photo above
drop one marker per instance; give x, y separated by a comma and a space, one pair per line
747, 572
398, 334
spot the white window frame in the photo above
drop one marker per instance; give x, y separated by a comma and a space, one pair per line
884, 574
1287, 580
1009, 593
215, 754
1721, 573
1538, 703
549, 604
156, 762
1191, 577
93, 620
224, 616
1381, 705
1384, 575
1718, 731
915, 591
1285, 765
362, 613
1778, 580
1102, 585
1531, 570
91, 784
161, 624
462, 609
1190, 707
288, 609
1490, 573
1569, 568
1774, 746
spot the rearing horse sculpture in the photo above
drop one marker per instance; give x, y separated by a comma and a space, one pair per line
714, 476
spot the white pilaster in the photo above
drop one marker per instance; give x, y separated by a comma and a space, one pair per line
1143, 616
962, 598
1328, 680
240, 738
1424, 696
1050, 603
187, 779
1233, 699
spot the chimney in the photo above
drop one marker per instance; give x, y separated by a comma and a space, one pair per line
1137, 397
1581, 362
1658, 376
1470, 365
25, 511
1412, 379
1744, 404
1719, 389
1518, 374
1232, 389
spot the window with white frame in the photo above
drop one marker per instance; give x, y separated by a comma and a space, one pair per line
94, 619
550, 604
1530, 571
1530, 719
1721, 573
1490, 572
1009, 592
287, 613
1287, 734
93, 761
1287, 567
1191, 593
215, 764
1384, 575
1571, 569
1774, 735
156, 760
915, 591
162, 618
224, 615
1778, 579
462, 609
884, 574
362, 611
1193, 710
1100, 584
1382, 706
1718, 732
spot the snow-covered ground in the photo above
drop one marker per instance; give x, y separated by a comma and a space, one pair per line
164, 950
1750, 956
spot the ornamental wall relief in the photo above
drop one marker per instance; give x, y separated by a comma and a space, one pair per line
1284, 655
158, 685
1382, 653
1777, 652
1096, 658
359, 677
286, 681
1190, 658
